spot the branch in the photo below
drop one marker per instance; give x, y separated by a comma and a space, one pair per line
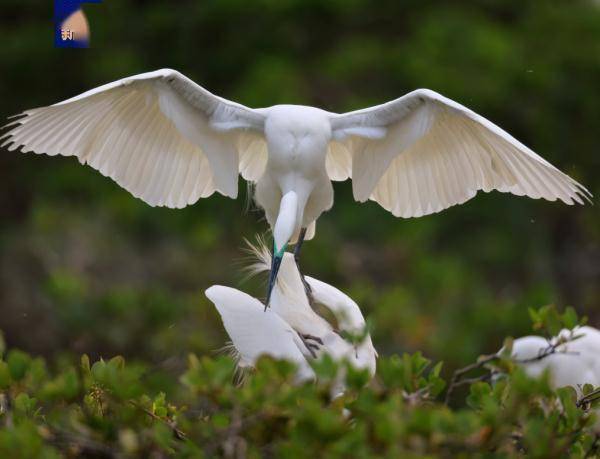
458, 380
585, 401
179, 434
551, 349
6, 409
457, 377
413, 398
230, 437
469, 381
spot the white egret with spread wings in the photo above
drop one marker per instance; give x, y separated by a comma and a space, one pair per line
171, 142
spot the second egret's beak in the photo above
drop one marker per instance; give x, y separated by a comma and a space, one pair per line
275, 264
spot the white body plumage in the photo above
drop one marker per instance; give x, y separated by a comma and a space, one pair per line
295, 188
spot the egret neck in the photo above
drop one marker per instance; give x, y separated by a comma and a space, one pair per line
288, 222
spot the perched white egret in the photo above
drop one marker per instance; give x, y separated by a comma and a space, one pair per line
574, 363
291, 329
170, 142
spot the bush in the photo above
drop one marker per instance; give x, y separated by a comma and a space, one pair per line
112, 409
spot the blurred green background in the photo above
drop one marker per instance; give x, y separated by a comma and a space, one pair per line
85, 267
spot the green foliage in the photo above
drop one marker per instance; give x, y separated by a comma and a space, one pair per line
550, 321
412, 374
87, 268
106, 408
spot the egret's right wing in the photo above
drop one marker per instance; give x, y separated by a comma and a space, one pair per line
344, 308
349, 318
159, 135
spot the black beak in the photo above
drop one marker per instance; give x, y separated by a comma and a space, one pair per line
275, 264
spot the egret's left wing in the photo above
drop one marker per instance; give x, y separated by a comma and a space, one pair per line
422, 153
255, 331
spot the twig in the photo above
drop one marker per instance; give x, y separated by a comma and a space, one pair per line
456, 380
413, 398
551, 349
585, 401
469, 381
5, 409
228, 436
179, 434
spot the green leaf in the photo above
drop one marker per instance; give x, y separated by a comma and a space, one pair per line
25, 404
569, 318
5, 377
18, 363
437, 369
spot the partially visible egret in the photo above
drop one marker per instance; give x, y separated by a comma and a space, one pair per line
291, 329
589, 343
574, 363
170, 142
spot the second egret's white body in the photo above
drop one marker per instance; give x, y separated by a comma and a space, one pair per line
575, 363
290, 328
290, 302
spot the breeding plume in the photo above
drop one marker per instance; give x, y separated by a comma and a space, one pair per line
170, 142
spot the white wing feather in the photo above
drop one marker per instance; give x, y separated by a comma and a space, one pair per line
422, 153
349, 318
344, 308
159, 135
338, 161
256, 332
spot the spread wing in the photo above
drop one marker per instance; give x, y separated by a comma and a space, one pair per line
159, 135
423, 153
